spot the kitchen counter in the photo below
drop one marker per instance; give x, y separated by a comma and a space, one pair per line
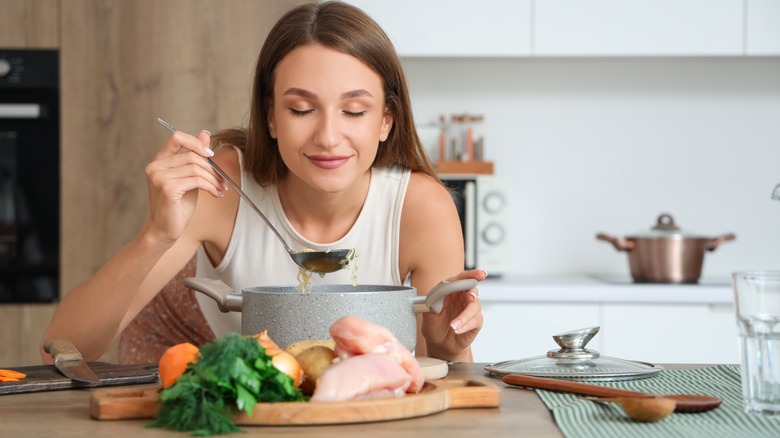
602, 289
66, 413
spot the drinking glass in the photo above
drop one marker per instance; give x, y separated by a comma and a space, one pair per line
757, 298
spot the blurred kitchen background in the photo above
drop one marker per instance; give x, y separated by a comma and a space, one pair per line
599, 114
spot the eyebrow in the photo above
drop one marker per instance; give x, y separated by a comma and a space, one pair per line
309, 95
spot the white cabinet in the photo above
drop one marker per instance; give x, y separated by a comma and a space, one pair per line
638, 27
763, 27
526, 28
520, 330
666, 333
658, 333
454, 27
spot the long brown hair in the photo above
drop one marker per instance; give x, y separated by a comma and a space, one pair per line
349, 30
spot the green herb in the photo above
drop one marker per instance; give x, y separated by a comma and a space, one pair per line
232, 374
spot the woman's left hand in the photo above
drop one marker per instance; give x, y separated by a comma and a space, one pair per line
450, 333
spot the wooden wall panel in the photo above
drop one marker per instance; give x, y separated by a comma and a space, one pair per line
29, 24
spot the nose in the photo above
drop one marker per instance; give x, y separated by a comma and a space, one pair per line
328, 133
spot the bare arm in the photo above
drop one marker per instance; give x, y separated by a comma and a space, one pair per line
432, 251
96, 311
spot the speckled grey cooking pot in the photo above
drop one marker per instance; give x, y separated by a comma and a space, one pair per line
291, 316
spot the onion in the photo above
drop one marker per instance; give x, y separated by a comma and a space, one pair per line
283, 361
286, 363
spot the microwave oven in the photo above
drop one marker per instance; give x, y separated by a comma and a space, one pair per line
481, 201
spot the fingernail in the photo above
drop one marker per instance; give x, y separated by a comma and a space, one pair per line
456, 325
485, 272
224, 186
205, 132
209, 152
473, 295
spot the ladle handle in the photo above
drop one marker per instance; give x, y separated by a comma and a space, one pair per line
235, 187
571, 387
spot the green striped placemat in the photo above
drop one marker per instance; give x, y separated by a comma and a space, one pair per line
576, 417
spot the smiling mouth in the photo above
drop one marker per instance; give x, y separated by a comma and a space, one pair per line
329, 162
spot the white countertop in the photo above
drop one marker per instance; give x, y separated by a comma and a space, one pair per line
602, 289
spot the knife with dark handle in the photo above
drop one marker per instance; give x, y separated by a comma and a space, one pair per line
69, 361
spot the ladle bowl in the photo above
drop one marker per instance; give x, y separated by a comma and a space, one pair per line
321, 262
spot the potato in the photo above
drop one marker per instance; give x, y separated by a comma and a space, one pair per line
297, 348
314, 360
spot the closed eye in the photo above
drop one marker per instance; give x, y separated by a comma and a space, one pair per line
297, 112
355, 113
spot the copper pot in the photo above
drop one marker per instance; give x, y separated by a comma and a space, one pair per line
665, 254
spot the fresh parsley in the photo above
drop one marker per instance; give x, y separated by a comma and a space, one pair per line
232, 374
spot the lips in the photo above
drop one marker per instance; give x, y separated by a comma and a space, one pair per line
329, 161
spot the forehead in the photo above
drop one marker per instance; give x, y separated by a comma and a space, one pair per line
324, 70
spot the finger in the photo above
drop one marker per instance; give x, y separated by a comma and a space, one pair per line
469, 319
195, 170
183, 185
178, 167
181, 140
477, 274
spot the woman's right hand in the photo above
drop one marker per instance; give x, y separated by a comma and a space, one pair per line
179, 169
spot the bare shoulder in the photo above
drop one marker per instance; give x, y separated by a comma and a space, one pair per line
214, 217
430, 231
427, 195
227, 159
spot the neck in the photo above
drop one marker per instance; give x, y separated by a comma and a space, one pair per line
322, 217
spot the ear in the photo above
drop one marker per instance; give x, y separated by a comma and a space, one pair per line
271, 127
387, 125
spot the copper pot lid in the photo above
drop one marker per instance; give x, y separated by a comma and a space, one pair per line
575, 362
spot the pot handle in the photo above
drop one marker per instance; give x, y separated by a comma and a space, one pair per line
713, 243
619, 244
434, 300
217, 291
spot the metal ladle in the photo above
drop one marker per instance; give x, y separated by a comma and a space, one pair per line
321, 262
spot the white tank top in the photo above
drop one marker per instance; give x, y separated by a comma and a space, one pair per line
255, 257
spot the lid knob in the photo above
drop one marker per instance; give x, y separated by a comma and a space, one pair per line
573, 343
666, 223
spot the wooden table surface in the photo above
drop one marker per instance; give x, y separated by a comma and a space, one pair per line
65, 413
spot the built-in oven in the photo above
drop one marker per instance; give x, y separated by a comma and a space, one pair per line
29, 176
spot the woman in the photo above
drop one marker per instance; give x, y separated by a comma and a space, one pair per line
331, 149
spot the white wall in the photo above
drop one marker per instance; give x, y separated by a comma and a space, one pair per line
607, 145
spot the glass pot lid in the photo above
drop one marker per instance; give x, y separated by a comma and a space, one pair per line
666, 228
575, 362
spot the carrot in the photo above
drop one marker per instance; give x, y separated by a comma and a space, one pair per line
174, 361
12, 374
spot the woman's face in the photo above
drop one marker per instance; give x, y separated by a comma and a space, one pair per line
328, 116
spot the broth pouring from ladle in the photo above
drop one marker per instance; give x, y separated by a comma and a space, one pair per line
321, 262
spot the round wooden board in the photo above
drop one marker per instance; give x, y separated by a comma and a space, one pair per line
435, 396
433, 368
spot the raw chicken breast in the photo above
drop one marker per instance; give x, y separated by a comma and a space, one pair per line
356, 336
362, 377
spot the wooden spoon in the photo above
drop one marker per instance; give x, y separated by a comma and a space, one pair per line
647, 409
684, 402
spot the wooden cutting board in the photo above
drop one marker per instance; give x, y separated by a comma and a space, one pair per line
436, 396
47, 378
